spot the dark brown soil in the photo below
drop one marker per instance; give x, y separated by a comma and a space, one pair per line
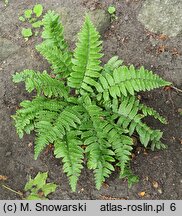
128, 39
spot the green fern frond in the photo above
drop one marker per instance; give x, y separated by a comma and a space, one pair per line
50, 131
126, 81
25, 117
60, 61
119, 141
54, 31
112, 64
127, 173
49, 118
100, 156
45, 134
54, 47
68, 118
151, 112
126, 115
42, 82
122, 145
86, 63
70, 150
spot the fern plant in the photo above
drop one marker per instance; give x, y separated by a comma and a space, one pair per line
86, 109
38, 189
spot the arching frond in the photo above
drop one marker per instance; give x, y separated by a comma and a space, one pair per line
70, 150
112, 64
86, 63
42, 82
126, 114
149, 111
126, 81
100, 156
25, 117
50, 132
54, 47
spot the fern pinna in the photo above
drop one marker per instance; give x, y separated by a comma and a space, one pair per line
86, 109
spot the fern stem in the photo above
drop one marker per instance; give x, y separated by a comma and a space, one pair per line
10, 189
176, 89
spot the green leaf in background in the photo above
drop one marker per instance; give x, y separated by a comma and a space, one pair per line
28, 13
111, 9
32, 20
49, 188
40, 179
21, 18
29, 184
38, 188
26, 32
6, 2
37, 24
38, 10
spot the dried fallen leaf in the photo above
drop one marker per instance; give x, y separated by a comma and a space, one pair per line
146, 178
160, 191
105, 185
53, 75
41, 193
139, 97
163, 37
167, 88
180, 110
134, 141
155, 184
3, 178
139, 150
142, 193
49, 149
30, 144
133, 155
145, 152
175, 52
161, 49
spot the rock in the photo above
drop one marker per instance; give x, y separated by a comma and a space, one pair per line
73, 20
172, 71
126, 18
101, 20
8, 154
162, 16
160, 191
7, 48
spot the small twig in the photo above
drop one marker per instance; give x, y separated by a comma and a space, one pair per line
10, 189
170, 98
176, 89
